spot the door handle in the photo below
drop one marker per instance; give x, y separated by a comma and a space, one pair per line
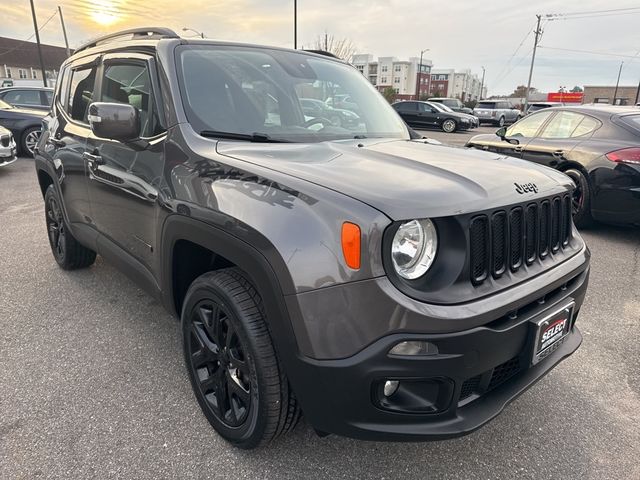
55, 142
518, 149
558, 154
93, 159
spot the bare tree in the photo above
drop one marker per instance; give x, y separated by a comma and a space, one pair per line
342, 48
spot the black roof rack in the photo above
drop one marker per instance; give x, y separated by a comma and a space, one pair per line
140, 33
323, 52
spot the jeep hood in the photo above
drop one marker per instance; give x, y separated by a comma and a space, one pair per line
406, 179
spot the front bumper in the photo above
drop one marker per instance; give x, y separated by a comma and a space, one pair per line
8, 154
474, 375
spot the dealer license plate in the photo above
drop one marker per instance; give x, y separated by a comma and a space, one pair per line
551, 328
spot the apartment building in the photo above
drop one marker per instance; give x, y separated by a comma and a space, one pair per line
461, 84
401, 75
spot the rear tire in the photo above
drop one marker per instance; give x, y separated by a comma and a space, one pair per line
67, 251
581, 199
501, 122
234, 371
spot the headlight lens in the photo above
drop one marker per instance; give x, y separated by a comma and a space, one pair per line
414, 248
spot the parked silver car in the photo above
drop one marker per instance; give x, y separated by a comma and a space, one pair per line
497, 112
8, 148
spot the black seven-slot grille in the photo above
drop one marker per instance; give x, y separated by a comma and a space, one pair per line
509, 238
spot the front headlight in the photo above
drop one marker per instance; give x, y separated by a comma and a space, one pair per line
413, 248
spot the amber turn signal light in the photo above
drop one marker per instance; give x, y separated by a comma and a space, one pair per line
351, 244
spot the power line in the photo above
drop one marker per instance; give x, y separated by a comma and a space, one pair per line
552, 16
30, 36
593, 16
589, 51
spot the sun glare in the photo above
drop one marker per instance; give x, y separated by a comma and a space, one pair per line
104, 12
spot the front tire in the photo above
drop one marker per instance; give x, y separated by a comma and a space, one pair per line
449, 126
235, 374
67, 251
581, 198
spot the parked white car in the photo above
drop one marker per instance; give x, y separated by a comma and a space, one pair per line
8, 148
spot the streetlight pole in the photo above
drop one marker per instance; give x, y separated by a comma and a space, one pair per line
533, 59
481, 85
615, 92
200, 34
419, 74
35, 26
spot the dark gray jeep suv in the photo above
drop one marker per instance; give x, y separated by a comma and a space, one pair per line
386, 288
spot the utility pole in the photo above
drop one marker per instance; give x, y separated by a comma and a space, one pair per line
419, 74
326, 41
64, 31
615, 92
637, 94
481, 85
533, 59
295, 24
35, 26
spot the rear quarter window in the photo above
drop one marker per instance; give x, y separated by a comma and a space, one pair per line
632, 121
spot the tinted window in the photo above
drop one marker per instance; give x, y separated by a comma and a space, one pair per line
450, 103
586, 126
131, 84
81, 93
529, 125
562, 125
423, 107
486, 105
23, 97
407, 107
632, 121
48, 95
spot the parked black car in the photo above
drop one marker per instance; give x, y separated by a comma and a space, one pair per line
597, 146
25, 125
338, 117
422, 115
453, 103
37, 98
355, 276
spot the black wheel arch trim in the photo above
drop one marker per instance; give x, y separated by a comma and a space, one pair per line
266, 270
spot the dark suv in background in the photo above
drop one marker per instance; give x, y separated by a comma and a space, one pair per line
386, 288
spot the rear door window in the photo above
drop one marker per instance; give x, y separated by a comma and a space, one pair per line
81, 93
586, 127
562, 125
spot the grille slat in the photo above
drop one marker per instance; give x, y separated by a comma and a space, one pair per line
479, 236
499, 243
518, 236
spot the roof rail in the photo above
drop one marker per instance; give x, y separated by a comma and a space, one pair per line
144, 33
322, 52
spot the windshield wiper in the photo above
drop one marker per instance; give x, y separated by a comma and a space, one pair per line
250, 137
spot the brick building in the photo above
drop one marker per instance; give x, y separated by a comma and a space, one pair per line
19, 62
604, 94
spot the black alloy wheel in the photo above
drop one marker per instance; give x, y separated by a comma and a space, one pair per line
67, 251
234, 371
55, 227
221, 367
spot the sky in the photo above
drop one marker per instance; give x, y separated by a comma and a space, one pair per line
459, 34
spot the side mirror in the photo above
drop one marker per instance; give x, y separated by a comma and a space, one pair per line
502, 133
115, 121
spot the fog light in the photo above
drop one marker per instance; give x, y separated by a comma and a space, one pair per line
414, 347
390, 387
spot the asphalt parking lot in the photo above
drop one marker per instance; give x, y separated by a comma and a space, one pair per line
92, 383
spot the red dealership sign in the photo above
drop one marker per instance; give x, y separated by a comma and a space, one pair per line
568, 97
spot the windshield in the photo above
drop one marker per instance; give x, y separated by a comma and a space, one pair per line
280, 95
